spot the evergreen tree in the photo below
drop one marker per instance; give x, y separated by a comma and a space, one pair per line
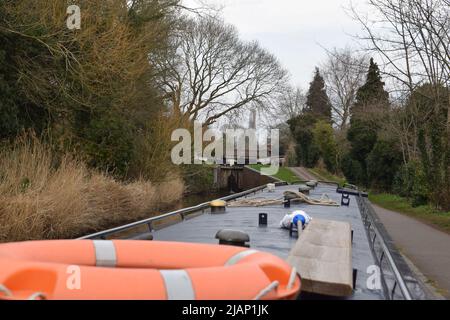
367, 112
306, 150
325, 141
372, 94
318, 109
317, 101
383, 163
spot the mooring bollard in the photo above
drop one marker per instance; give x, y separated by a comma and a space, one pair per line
345, 201
287, 203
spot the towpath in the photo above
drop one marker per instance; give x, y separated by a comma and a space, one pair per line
426, 247
303, 173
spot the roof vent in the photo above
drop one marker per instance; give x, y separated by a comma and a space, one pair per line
233, 238
218, 206
312, 184
304, 189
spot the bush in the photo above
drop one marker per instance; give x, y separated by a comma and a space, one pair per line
152, 159
106, 139
404, 181
362, 136
198, 178
410, 182
16, 112
8, 110
326, 144
352, 170
383, 163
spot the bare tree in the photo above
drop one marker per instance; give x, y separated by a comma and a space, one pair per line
413, 39
343, 73
290, 104
212, 73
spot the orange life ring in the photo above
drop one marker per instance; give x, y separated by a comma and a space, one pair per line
142, 270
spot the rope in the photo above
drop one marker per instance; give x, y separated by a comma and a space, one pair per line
5, 290
256, 202
34, 296
267, 290
293, 195
37, 296
292, 279
323, 201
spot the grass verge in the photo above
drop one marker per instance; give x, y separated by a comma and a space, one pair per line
426, 214
283, 174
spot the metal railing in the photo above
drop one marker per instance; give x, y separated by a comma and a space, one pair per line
183, 213
382, 253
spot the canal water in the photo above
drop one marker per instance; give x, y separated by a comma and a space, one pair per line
196, 199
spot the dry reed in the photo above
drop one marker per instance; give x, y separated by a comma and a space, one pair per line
41, 198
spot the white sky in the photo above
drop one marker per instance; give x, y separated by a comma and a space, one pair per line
294, 30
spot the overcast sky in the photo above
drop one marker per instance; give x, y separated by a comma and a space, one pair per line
294, 30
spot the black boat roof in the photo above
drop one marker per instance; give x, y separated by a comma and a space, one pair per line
371, 244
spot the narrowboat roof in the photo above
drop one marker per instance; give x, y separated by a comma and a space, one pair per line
371, 245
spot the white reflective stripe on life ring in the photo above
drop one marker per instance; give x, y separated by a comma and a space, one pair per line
238, 257
105, 253
178, 285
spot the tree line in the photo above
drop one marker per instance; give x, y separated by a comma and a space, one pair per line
384, 128
114, 90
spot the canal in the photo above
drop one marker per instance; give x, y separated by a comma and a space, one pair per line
196, 199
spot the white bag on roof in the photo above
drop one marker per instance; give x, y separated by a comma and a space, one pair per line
289, 218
